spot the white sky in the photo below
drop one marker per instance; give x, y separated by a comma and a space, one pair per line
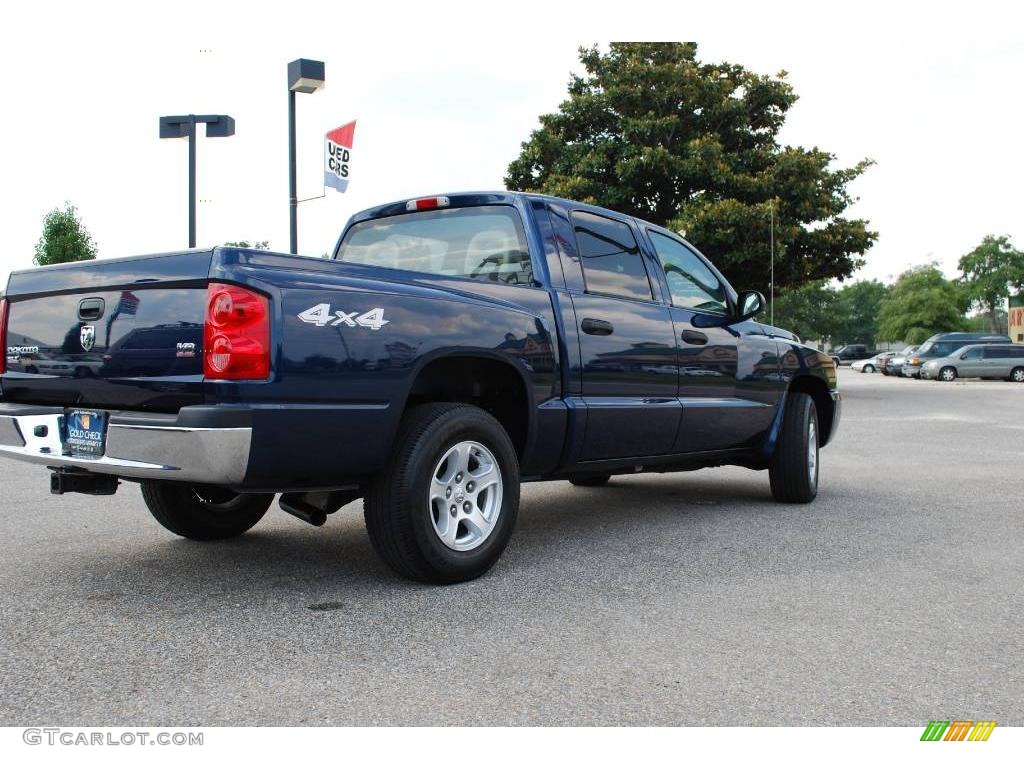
444, 93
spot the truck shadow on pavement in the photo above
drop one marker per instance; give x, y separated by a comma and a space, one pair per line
283, 559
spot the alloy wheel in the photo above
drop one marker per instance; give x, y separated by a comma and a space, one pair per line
465, 496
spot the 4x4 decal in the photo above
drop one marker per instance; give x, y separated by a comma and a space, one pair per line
321, 315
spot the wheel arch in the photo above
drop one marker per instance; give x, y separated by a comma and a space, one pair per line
823, 403
485, 379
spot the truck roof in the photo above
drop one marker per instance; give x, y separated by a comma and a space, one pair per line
460, 199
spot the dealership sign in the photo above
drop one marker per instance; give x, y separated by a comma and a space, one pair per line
338, 156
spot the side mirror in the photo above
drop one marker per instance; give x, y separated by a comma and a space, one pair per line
748, 304
963, 356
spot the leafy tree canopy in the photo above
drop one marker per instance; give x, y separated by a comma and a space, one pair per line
991, 272
652, 131
855, 314
848, 315
259, 245
64, 238
922, 302
807, 311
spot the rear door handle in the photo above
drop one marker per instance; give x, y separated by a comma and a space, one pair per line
596, 327
694, 337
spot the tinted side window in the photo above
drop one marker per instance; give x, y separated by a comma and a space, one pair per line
690, 282
998, 353
611, 258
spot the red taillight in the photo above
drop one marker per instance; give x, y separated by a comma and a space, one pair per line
236, 336
427, 203
3, 335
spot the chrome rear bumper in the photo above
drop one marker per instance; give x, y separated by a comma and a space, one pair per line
214, 455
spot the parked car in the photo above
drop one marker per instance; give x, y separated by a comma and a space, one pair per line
945, 344
982, 361
870, 365
848, 353
452, 346
894, 363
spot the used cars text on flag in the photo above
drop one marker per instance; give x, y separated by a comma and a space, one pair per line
338, 155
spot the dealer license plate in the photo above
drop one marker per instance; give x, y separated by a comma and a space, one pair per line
85, 433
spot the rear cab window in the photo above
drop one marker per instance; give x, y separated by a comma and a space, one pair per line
486, 243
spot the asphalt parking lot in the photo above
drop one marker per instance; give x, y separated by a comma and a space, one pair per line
687, 599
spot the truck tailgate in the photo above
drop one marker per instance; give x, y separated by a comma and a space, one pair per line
116, 333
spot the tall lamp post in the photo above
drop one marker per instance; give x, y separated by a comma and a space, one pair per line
304, 76
184, 127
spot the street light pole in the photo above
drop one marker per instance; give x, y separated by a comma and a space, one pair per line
293, 184
304, 76
192, 182
184, 127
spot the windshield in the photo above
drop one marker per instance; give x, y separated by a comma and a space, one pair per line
481, 243
939, 348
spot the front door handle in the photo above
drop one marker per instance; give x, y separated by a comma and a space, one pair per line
597, 327
694, 337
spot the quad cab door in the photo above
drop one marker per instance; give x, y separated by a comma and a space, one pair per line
627, 345
729, 379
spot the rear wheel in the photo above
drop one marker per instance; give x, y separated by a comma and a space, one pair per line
948, 373
793, 470
443, 509
204, 512
1017, 374
589, 481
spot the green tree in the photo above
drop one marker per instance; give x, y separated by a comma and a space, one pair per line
855, 312
990, 273
652, 131
922, 302
807, 311
259, 245
64, 238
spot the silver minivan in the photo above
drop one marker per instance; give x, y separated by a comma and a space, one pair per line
981, 361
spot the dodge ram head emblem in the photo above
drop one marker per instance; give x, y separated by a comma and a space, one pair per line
88, 337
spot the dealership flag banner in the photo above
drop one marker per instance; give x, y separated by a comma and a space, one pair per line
338, 156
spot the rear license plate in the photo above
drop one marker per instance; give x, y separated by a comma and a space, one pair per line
85, 433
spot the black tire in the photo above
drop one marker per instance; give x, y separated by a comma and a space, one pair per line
947, 374
869, 369
589, 481
204, 513
397, 508
1017, 375
789, 470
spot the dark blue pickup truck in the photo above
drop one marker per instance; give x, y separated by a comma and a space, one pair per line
453, 347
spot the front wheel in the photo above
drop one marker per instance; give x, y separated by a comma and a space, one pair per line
793, 470
948, 373
869, 369
1017, 374
201, 512
443, 509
